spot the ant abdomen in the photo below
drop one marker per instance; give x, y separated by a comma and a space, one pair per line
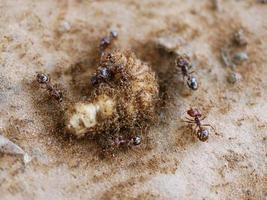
192, 83
203, 135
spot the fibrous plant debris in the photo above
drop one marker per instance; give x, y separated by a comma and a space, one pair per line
124, 96
8, 147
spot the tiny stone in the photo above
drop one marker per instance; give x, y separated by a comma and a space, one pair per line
240, 57
114, 34
64, 27
234, 77
169, 43
240, 39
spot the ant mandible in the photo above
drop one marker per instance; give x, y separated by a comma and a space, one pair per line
183, 63
202, 133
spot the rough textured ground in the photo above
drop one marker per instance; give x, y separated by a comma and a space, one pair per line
61, 38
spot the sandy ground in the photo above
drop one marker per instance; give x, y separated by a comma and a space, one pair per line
61, 38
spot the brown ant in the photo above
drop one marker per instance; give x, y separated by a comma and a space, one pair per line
106, 41
44, 80
184, 65
120, 142
202, 133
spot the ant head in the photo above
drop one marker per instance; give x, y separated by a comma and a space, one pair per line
104, 42
194, 112
182, 61
94, 80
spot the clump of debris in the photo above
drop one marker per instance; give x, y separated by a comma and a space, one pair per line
123, 99
124, 95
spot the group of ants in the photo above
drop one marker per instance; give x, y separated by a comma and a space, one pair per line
182, 64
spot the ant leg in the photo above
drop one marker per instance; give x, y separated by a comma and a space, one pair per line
183, 78
196, 129
209, 126
204, 117
191, 72
190, 119
190, 122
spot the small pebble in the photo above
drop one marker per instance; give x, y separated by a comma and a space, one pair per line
169, 43
234, 77
114, 34
64, 27
240, 38
240, 57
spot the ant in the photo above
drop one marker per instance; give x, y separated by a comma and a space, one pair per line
44, 80
109, 71
183, 63
119, 141
106, 41
202, 133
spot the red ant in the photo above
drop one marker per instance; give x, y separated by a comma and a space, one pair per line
202, 133
182, 62
44, 80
